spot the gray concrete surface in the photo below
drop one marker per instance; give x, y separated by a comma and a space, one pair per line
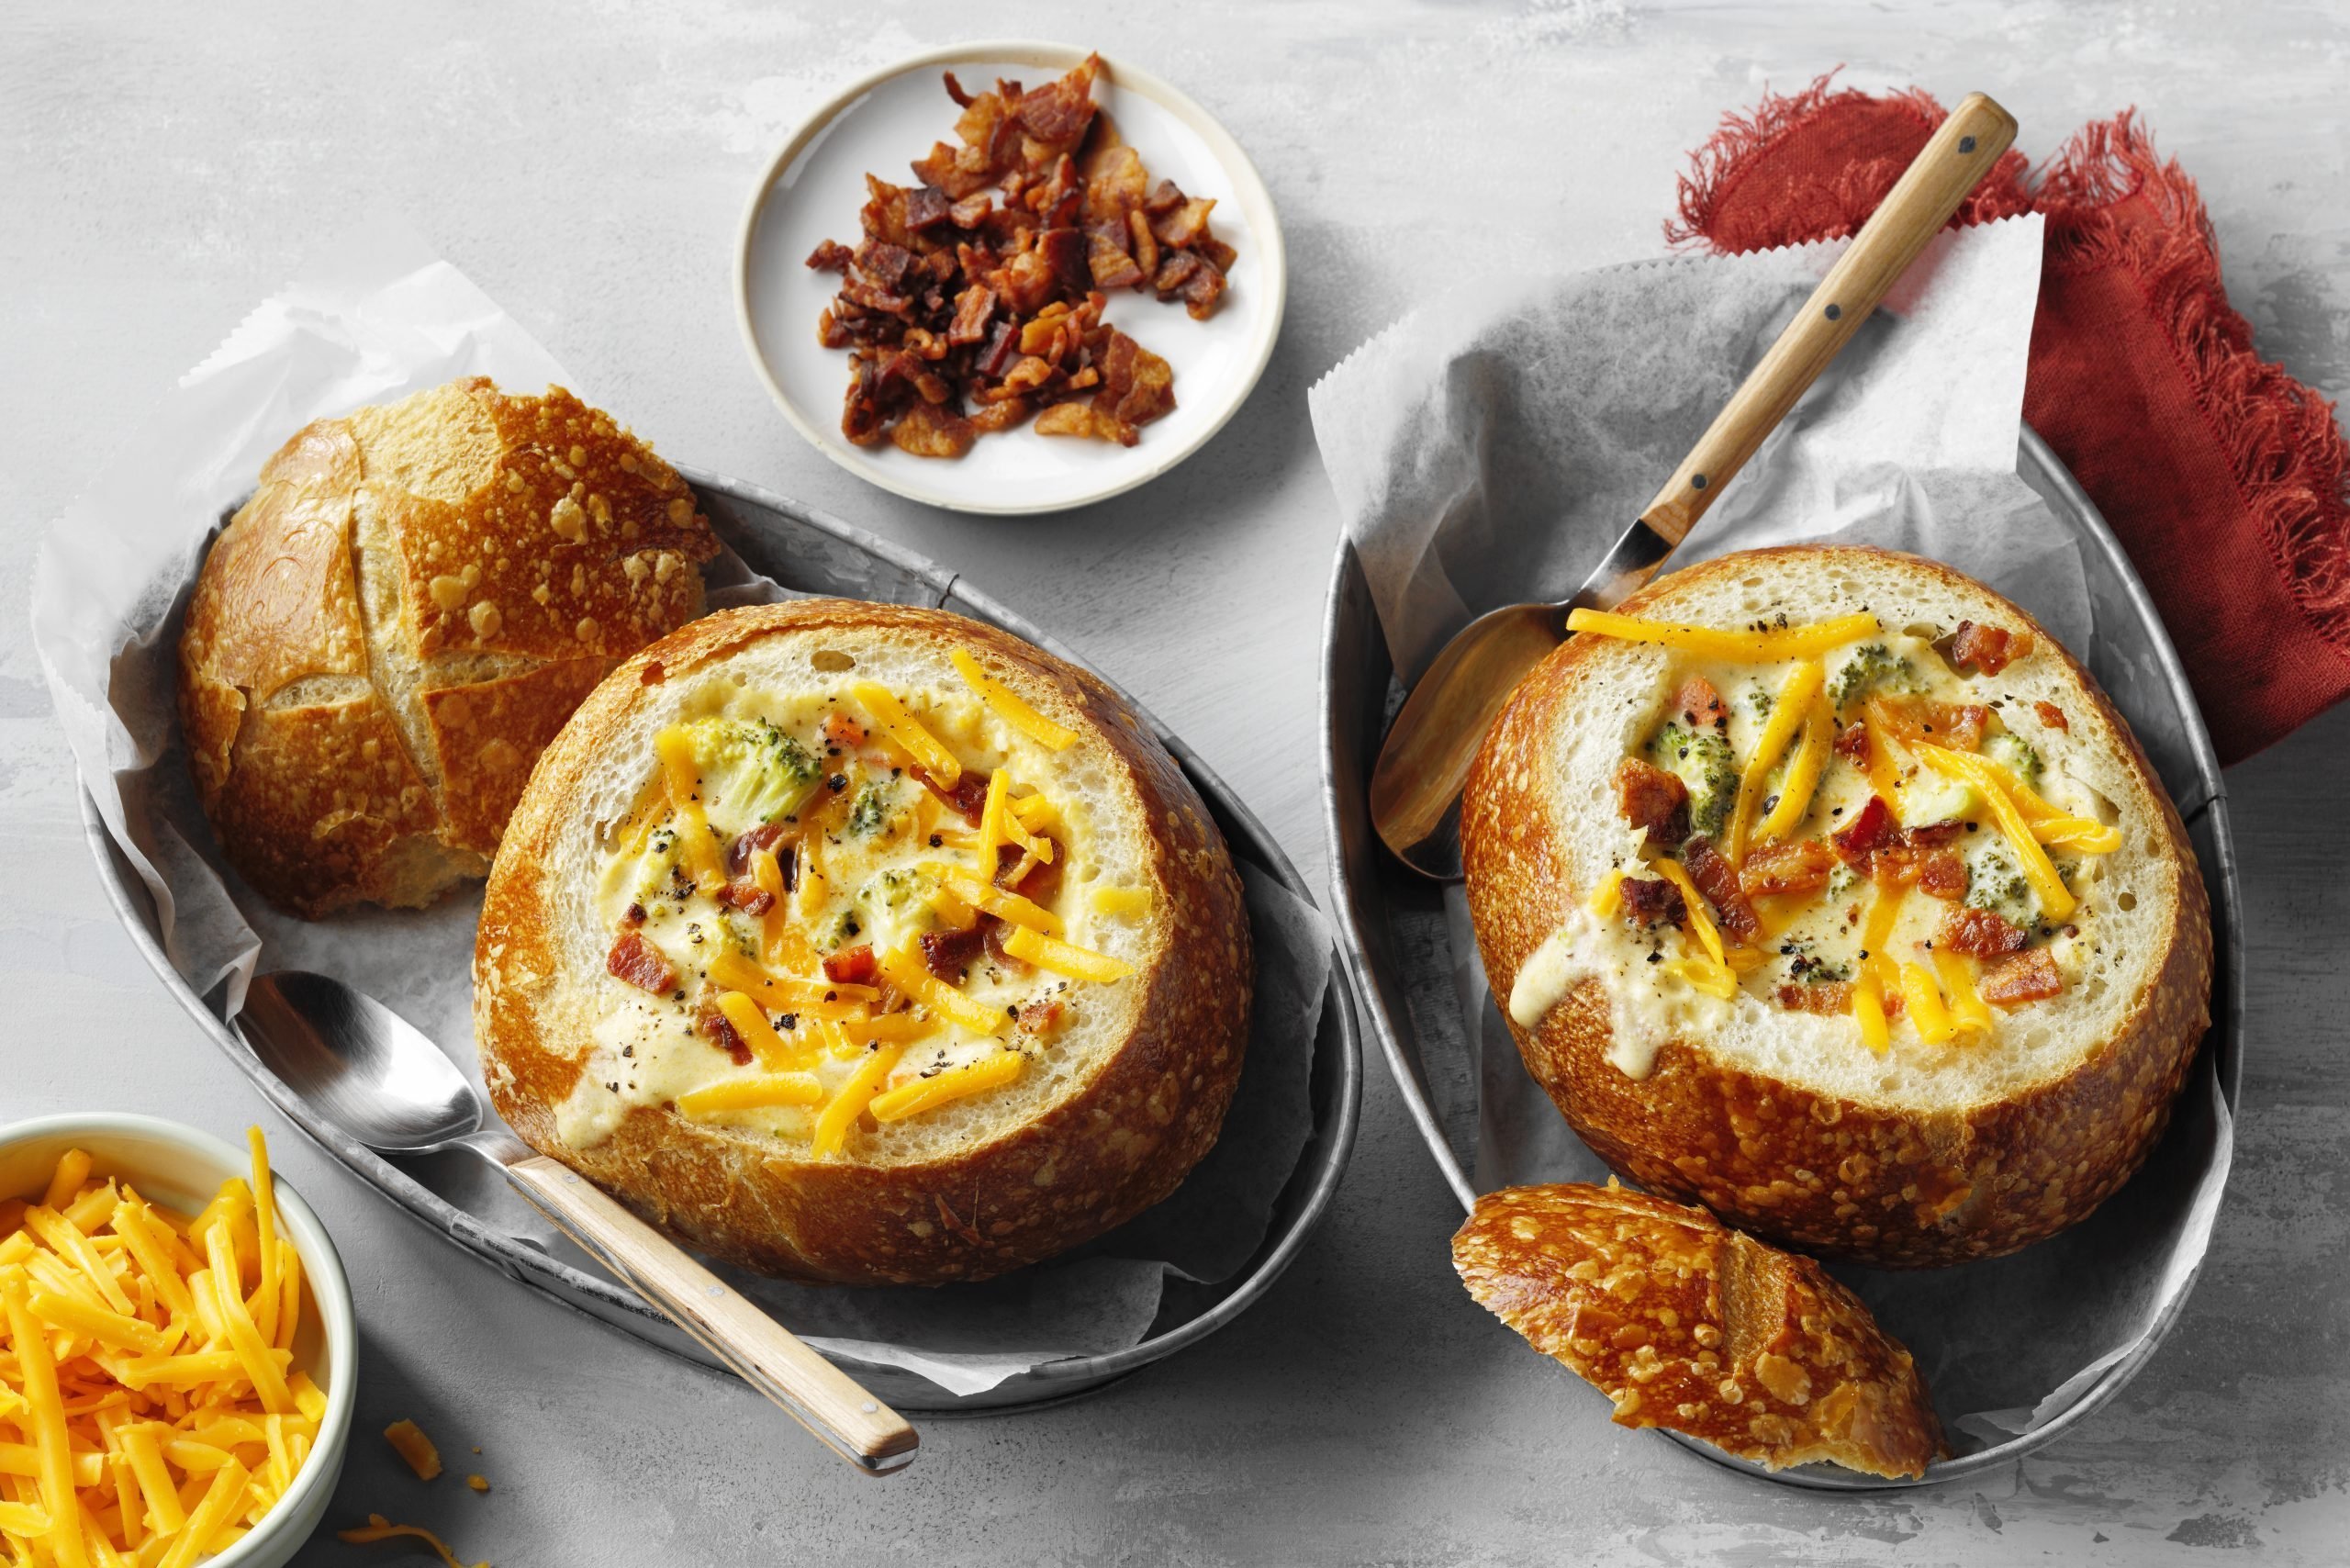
162, 169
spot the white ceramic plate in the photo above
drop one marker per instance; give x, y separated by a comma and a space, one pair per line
815, 186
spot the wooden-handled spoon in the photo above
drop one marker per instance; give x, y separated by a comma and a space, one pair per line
362, 1067
1416, 785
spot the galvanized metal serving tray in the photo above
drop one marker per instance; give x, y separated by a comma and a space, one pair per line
1393, 929
815, 552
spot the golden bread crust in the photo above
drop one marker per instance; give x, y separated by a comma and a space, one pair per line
1119, 1142
1879, 1183
1688, 1325
527, 539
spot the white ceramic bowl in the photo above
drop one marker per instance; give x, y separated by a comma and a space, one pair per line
182, 1168
813, 188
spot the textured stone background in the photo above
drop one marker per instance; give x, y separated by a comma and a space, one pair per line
586, 165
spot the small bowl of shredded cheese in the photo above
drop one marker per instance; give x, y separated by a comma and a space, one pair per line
177, 1355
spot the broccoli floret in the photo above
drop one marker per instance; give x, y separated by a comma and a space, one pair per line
1702, 760
1869, 668
1997, 883
2017, 755
1760, 699
872, 809
838, 932
752, 772
894, 889
1841, 880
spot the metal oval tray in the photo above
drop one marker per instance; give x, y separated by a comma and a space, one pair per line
1391, 923
815, 552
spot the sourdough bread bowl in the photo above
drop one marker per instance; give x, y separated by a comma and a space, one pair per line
1686, 1323
1764, 911
405, 612
864, 943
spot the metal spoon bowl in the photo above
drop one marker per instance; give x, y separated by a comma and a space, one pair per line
378, 1078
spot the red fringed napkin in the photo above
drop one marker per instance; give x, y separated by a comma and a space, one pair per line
2228, 481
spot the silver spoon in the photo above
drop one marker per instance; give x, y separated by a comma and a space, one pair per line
375, 1076
1424, 762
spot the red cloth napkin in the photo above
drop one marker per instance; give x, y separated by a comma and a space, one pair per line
2227, 480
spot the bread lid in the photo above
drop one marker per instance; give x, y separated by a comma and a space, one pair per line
1688, 1325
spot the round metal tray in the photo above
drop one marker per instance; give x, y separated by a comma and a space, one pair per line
815, 553
1391, 921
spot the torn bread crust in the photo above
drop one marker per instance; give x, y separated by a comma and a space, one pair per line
1687, 1325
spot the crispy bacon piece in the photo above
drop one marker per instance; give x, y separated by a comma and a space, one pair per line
1183, 227
746, 895
1107, 258
1938, 872
1084, 419
1041, 882
639, 963
712, 1026
2018, 978
1801, 867
1040, 1018
1060, 112
972, 308
1653, 901
1202, 290
2053, 716
1828, 999
927, 431
1872, 829
851, 966
948, 953
1980, 933
1650, 798
829, 256
969, 797
1137, 385
1717, 879
1699, 705
1958, 725
767, 835
1985, 649
926, 207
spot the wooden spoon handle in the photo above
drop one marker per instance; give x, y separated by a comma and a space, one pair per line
812, 1391
1953, 161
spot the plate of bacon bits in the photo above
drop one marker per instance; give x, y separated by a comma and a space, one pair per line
1010, 277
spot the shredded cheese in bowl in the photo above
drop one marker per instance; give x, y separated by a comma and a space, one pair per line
147, 1365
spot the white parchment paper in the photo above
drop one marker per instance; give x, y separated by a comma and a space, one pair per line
1489, 448
379, 315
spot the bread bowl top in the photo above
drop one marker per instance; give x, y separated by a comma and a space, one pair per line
856, 892
1818, 842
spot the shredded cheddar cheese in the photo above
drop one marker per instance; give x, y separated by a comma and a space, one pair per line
1925, 1004
1797, 697
907, 973
407, 1440
928, 1094
1009, 707
681, 773
908, 731
1001, 903
848, 1104
147, 1360
2056, 901
1804, 770
1969, 1014
1608, 897
378, 1528
774, 1053
1062, 958
1768, 645
1127, 903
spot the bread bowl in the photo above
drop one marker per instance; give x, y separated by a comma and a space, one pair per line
2022, 1057
812, 1038
407, 609
1686, 1323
